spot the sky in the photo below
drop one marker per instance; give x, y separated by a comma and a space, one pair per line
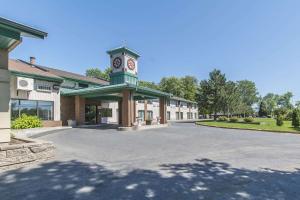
246, 39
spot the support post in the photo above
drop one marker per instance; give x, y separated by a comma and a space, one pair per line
163, 110
4, 97
127, 109
145, 110
79, 110
120, 111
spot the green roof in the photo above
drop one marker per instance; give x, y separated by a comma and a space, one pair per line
123, 49
107, 90
11, 33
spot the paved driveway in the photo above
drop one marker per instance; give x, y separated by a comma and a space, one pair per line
180, 162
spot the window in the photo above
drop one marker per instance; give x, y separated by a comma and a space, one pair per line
141, 114
83, 85
196, 116
43, 86
177, 115
42, 109
181, 115
141, 101
149, 115
168, 102
45, 110
106, 112
168, 115
188, 115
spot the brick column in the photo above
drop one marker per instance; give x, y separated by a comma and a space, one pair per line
120, 111
145, 110
79, 110
127, 108
163, 110
4, 97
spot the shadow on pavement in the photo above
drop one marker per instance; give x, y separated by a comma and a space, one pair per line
203, 179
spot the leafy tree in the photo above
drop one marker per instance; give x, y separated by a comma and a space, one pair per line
271, 101
279, 120
262, 109
248, 94
97, 73
297, 104
149, 84
285, 100
172, 85
296, 118
189, 86
231, 98
211, 92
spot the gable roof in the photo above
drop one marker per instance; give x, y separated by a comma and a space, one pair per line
73, 76
20, 68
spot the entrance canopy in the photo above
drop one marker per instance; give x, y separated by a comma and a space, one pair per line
11, 33
114, 92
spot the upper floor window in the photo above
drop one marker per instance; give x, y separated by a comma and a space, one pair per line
43, 86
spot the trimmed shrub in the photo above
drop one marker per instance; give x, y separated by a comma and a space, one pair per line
223, 119
26, 121
249, 119
296, 118
279, 120
234, 119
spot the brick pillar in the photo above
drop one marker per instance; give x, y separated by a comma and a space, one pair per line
134, 111
163, 110
79, 110
127, 108
4, 97
145, 110
120, 111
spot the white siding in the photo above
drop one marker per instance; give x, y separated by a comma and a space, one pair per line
53, 95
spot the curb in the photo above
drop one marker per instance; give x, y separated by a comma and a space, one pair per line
248, 129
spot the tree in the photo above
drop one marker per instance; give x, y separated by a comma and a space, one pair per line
189, 86
297, 104
172, 85
231, 99
262, 109
149, 84
211, 92
296, 118
97, 73
271, 101
284, 100
248, 94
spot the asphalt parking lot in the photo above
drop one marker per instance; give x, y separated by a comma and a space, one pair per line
183, 161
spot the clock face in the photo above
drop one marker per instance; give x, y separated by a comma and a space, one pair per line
131, 64
117, 62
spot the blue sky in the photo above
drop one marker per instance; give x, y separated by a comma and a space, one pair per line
250, 39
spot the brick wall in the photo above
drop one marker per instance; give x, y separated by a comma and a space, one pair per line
48, 123
67, 109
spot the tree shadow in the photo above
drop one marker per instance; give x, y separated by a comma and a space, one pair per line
203, 179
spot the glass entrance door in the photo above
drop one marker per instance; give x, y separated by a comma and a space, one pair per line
90, 114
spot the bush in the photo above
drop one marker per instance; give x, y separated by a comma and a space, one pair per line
26, 121
279, 120
295, 118
249, 119
233, 119
223, 119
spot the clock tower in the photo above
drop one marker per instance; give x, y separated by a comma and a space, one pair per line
124, 66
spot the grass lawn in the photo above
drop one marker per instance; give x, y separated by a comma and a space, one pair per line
267, 124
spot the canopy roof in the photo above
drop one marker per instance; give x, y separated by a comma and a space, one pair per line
113, 92
11, 33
